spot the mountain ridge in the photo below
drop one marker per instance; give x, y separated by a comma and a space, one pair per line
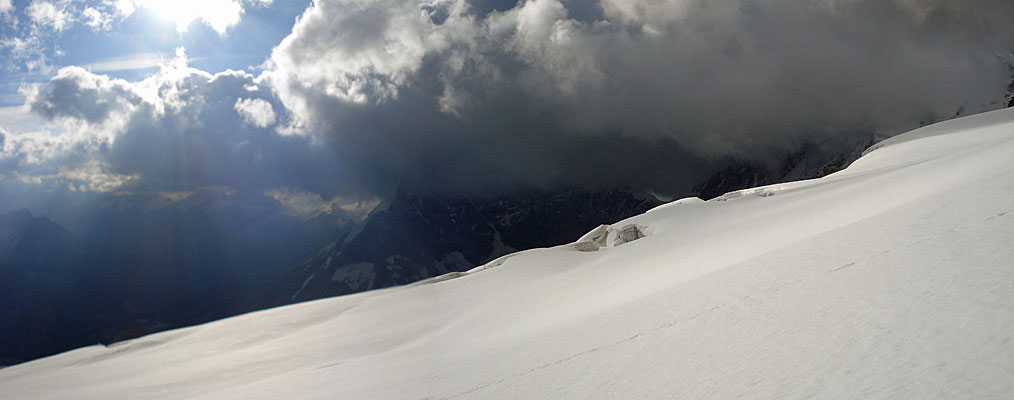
412, 237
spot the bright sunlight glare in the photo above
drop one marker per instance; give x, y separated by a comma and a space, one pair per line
218, 14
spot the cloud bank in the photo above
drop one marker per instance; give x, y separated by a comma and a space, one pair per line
439, 94
178, 130
459, 97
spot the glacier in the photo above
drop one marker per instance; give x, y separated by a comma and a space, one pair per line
893, 278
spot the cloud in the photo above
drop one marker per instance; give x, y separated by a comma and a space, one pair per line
50, 14
454, 97
651, 15
32, 46
16, 119
76, 94
256, 112
129, 63
220, 15
93, 176
176, 131
124, 7
259, 3
55, 162
27, 50
96, 19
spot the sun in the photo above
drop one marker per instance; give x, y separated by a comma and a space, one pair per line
217, 14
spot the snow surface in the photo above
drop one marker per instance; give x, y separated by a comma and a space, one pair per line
891, 279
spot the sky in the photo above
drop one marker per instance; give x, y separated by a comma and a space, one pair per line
334, 101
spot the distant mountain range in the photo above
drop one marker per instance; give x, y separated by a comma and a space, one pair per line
136, 266
412, 237
809, 162
50, 291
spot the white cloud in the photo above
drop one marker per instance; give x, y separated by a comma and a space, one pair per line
34, 150
175, 131
5, 6
124, 7
90, 176
362, 51
16, 119
51, 14
256, 112
27, 50
96, 19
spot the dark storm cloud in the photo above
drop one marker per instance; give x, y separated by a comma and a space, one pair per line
77, 94
634, 92
455, 97
201, 140
581, 10
410, 142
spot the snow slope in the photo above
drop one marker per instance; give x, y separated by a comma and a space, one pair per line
891, 279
